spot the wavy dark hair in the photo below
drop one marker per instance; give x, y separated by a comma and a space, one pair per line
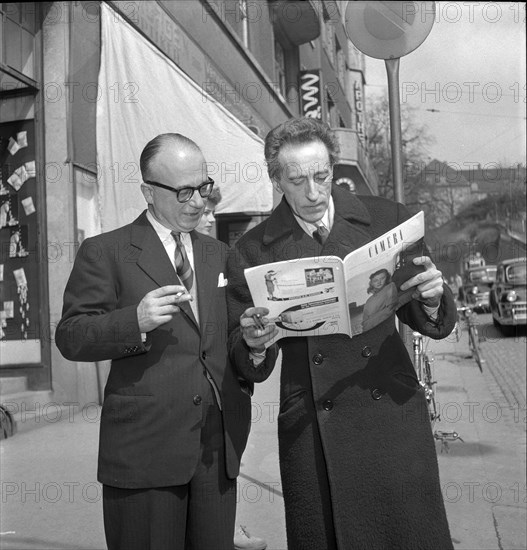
296, 131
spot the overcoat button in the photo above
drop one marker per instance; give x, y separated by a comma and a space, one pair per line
197, 400
318, 359
366, 351
204, 355
327, 405
376, 393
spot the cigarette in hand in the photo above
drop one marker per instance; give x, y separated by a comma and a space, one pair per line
182, 293
257, 318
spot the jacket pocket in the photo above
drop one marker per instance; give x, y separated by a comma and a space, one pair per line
125, 408
290, 401
403, 385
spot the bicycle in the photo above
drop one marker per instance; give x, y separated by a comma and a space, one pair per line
467, 314
445, 437
423, 367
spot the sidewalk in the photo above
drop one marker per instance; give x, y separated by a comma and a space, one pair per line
483, 477
50, 499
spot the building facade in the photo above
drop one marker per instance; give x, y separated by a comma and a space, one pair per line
80, 96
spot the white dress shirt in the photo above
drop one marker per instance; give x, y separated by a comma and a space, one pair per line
326, 220
168, 242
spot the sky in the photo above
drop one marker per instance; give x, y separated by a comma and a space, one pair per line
472, 70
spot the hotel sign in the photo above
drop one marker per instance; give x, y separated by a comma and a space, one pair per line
359, 113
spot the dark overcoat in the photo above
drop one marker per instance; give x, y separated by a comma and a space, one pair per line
357, 456
152, 412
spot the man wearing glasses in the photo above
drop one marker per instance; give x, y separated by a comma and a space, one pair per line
150, 296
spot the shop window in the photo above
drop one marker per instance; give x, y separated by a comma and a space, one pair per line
23, 274
280, 68
332, 111
329, 36
18, 36
341, 64
244, 22
236, 15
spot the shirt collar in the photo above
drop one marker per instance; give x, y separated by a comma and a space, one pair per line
165, 233
326, 220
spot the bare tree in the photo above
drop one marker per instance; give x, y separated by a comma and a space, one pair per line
415, 140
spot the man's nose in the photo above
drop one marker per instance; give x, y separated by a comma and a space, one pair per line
312, 189
197, 200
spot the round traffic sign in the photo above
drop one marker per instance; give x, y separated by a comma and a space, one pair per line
388, 30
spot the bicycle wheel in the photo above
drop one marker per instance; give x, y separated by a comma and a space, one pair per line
432, 410
430, 391
474, 346
457, 330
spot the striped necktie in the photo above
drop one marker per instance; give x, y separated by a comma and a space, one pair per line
321, 234
183, 267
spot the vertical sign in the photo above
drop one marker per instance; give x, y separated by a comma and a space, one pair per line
311, 94
359, 108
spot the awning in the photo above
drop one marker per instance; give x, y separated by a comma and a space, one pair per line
143, 94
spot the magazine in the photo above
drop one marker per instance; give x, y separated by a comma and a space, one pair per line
326, 295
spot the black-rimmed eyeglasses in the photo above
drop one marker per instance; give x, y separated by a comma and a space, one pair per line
184, 194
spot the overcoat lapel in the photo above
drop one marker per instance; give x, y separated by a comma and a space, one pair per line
153, 259
351, 228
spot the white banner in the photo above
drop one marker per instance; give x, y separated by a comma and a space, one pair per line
143, 94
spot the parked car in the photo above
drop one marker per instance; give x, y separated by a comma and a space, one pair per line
477, 282
508, 297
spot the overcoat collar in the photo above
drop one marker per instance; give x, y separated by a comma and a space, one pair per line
153, 260
348, 207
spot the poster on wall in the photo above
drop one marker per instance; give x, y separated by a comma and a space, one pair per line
19, 288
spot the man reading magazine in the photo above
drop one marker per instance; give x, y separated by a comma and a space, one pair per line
357, 456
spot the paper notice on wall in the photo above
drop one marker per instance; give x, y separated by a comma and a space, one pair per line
29, 207
22, 173
21, 139
4, 211
13, 146
9, 308
18, 177
14, 181
20, 276
30, 168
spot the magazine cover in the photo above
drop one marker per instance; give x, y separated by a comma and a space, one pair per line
326, 295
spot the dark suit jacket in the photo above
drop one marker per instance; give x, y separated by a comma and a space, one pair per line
150, 423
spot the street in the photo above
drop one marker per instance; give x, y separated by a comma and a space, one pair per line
51, 500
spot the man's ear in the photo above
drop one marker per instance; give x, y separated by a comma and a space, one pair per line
276, 185
147, 193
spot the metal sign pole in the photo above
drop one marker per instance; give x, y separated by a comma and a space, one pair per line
389, 31
392, 70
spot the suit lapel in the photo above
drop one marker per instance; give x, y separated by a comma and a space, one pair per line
153, 259
206, 270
